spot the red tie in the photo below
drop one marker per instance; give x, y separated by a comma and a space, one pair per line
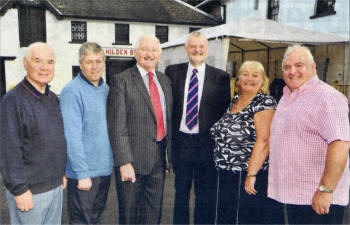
157, 106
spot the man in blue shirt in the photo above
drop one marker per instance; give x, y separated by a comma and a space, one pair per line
90, 160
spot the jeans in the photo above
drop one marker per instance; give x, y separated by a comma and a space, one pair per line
47, 208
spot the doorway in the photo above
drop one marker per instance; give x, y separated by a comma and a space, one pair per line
115, 66
3, 74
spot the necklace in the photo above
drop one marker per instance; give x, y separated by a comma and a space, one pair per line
241, 104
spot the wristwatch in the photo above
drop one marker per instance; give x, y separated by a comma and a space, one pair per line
251, 175
322, 188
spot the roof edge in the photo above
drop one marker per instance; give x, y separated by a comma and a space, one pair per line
134, 20
7, 6
197, 10
53, 8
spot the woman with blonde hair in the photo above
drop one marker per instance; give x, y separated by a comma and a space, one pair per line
241, 149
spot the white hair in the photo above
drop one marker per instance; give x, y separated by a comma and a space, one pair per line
293, 48
34, 45
195, 34
149, 36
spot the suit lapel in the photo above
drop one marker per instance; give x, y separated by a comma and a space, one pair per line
138, 81
209, 81
167, 93
182, 80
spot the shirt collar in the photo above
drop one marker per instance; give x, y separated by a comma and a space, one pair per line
100, 81
309, 84
143, 72
201, 68
32, 90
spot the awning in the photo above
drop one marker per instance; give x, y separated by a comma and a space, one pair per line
264, 30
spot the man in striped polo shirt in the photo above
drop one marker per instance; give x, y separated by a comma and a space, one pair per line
309, 145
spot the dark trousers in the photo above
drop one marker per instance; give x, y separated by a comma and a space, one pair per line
204, 176
86, 207
304, 214
235, 206
141, 202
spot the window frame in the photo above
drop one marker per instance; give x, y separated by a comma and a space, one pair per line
160, 37
75, 71
192, 29
78, 41
272, 7
329, 11
30, 18
121, 42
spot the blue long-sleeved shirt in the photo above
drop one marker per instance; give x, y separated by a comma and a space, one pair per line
83, 107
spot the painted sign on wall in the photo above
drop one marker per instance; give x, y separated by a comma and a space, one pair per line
119, 51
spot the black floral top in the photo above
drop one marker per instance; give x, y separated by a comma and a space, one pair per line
235, 135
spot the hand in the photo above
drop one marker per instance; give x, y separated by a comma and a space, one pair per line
24, 202
249, 185
64, 182
127, 173
84, 184
321, 202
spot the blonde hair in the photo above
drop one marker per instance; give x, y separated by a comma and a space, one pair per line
260, 68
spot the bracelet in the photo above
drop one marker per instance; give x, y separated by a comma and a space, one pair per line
251, 175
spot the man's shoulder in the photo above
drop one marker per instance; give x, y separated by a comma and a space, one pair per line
216, 70
14, 95
125, 73
73, 86
176, 66
159, 73
325, 89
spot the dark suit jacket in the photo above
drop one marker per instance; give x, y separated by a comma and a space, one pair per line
132, 123
214, 102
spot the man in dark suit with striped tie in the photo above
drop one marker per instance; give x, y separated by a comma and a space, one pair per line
139, 120
201, 94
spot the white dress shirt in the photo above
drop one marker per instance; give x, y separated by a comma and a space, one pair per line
145, 78
200, 76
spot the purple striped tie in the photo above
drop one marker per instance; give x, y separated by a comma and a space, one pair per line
192, 102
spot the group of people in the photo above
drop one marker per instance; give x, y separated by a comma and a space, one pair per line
251, 160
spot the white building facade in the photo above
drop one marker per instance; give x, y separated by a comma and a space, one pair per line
329, 16
65, 26
308, 14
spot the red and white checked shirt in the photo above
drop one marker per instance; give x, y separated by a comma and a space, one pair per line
306, 121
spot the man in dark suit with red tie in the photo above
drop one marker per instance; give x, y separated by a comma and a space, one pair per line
139, 122
201, 95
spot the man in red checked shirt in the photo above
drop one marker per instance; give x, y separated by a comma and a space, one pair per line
309, 145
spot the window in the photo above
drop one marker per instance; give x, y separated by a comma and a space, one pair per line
32, 25
75, 71
194, 29
272, 11
323, 8
256, 5
121, 34
162, 33
79, 32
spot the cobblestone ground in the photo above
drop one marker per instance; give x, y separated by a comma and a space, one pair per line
110, 215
